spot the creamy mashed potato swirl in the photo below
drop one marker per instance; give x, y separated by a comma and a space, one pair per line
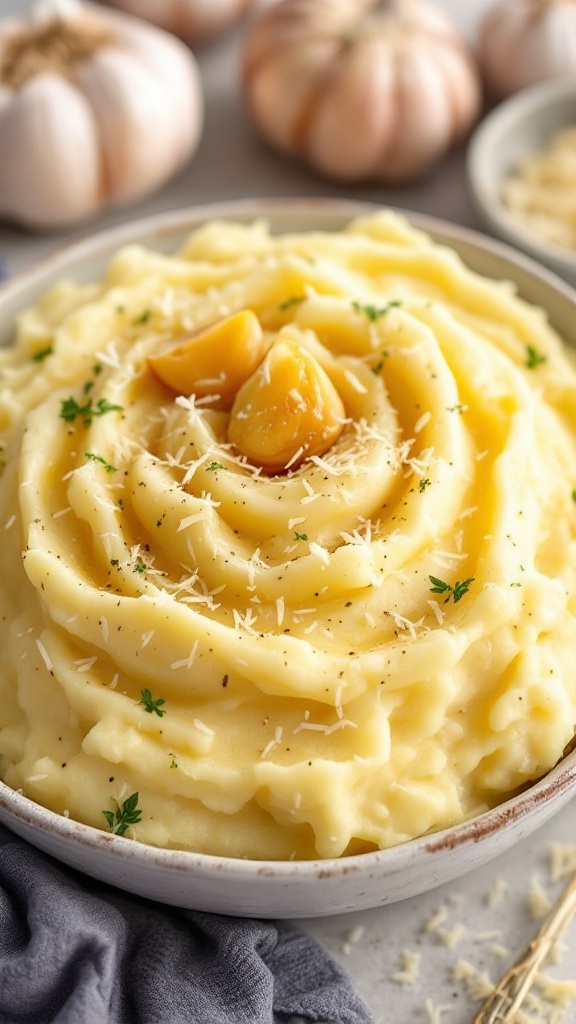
339, 657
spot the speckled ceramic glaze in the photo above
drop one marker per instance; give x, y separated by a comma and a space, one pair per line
288, 889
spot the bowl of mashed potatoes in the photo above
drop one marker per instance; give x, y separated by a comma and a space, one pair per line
289, 563
522, 169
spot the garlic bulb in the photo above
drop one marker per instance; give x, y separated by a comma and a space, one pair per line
96, 107
362, 89
190, 19
522, 42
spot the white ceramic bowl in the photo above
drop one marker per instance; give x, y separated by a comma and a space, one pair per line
517, 127
309, 888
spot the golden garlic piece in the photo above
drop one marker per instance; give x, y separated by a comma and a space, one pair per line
286, 411
215, 362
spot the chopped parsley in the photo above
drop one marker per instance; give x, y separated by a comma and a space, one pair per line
383, 356
139, 566
89, 384
456, 408
214, 466
293, 300
300, 536
423, 484
150, 705
574, 494
534, 358
70, 410
457, 591
42, 354
122, 817
99, 458
375, 312
144, 317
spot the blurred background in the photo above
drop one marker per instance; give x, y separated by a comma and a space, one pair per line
233, 160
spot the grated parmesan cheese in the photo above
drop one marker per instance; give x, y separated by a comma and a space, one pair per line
497, 892
408, 975
538, 900
435, 1013
44, 654
562, 860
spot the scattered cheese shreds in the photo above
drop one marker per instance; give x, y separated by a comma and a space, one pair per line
408, 975
436, 920
538, 900
562, 860
497, 892
478, 984
436, 1013
45, 656
451, 936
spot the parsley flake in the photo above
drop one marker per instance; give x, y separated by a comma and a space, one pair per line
122, 817
375, 312
293, 300
71, 410
150, 705
139, 566
214, 466
99, 458
457, 591
423, 484
383, 356
534, 358
300, 536
144, 317
574, 495
42, 354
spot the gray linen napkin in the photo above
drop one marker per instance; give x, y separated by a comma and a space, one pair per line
75, 951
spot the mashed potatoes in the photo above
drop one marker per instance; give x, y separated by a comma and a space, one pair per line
375, 642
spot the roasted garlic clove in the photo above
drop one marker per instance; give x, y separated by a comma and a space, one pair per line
215, 362
286, 411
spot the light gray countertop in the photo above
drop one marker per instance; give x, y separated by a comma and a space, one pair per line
233, 163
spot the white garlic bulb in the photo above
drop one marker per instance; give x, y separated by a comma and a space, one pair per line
362, 89
96, 107
190, 19
522, 42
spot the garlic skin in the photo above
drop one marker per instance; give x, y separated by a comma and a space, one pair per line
96, 108
364, 90
191, 20
522, 42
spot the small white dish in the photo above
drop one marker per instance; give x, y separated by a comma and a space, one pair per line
272, 889
514, 129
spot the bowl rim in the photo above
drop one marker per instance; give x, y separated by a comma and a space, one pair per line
558, 784
165, 223
509, 112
